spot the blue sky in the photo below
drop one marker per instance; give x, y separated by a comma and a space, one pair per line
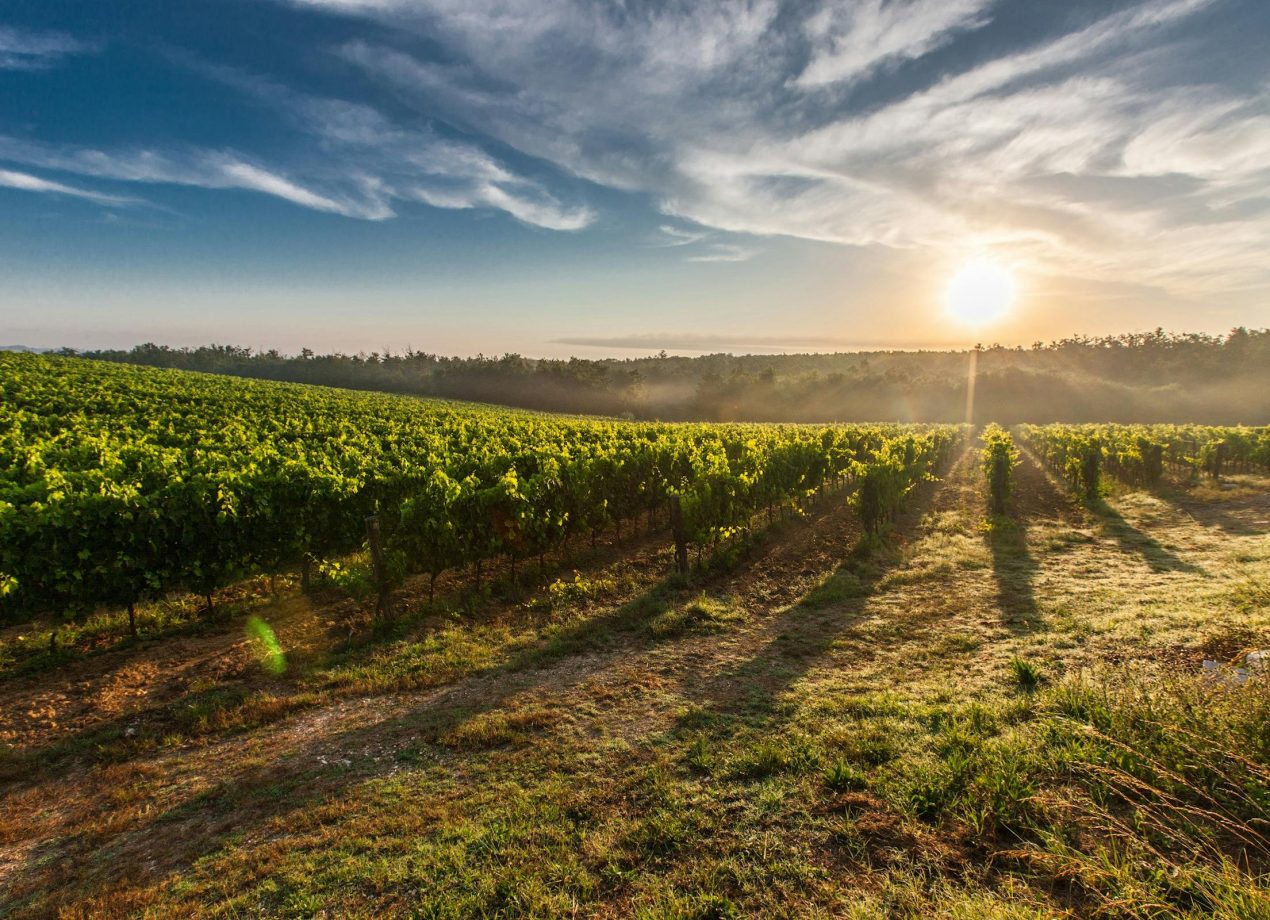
557, 176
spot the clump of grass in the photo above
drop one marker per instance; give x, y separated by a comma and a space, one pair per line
837, 588
793, 754
701, 756
494, 729
842, 776
691, 906
661, 833
865, 742
702, 614
1251, 594
1027, 674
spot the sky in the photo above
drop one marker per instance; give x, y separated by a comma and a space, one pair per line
555, 177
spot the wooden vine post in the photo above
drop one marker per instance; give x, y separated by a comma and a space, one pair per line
383, 603
681, 539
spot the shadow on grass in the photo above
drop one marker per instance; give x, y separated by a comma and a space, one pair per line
251, 796
1014, 571
1243, 516
751, 693
1133, 541
320, 769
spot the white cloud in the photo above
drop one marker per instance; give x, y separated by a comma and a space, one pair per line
29, 183
543, 211
1085, 150
24, 50
399, 163
721, 123
390, 164
244, 175
724, 252
675, 236
853, 39
195, 167
704, 245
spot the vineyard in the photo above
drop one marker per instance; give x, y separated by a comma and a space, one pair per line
123, 484
326, 653
1139, 455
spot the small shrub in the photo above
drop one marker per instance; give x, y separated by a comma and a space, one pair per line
354, 579
562, 593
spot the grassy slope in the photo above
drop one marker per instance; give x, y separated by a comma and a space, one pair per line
811, 733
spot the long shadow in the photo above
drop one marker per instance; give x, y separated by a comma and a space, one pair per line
121, 737
59, 757
1128, 538
253, 796
1014, 567
1133, 541
753, 690
302, 777
1240, 517
1014, 571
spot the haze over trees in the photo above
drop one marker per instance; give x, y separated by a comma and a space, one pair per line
1148, 377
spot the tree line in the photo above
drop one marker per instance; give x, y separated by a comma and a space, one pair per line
1133, 378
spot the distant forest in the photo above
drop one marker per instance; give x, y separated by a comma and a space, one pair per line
1149, 377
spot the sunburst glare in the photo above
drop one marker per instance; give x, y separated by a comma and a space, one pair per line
981, 293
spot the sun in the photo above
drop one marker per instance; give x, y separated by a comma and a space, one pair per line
981, 293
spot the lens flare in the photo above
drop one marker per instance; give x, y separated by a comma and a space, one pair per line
268, 648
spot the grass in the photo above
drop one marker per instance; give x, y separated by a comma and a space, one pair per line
1027, 674
811, 732
701, 614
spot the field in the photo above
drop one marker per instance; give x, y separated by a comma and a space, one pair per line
910, 704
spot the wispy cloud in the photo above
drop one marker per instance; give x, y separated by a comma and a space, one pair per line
724, 252
191, 167
544, 212
1094, 141
852, 40
29, 183
703, 245
25, 50
383, 165
719, 111
406, 163
677, 236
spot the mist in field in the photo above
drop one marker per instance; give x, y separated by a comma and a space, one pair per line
1156, 377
